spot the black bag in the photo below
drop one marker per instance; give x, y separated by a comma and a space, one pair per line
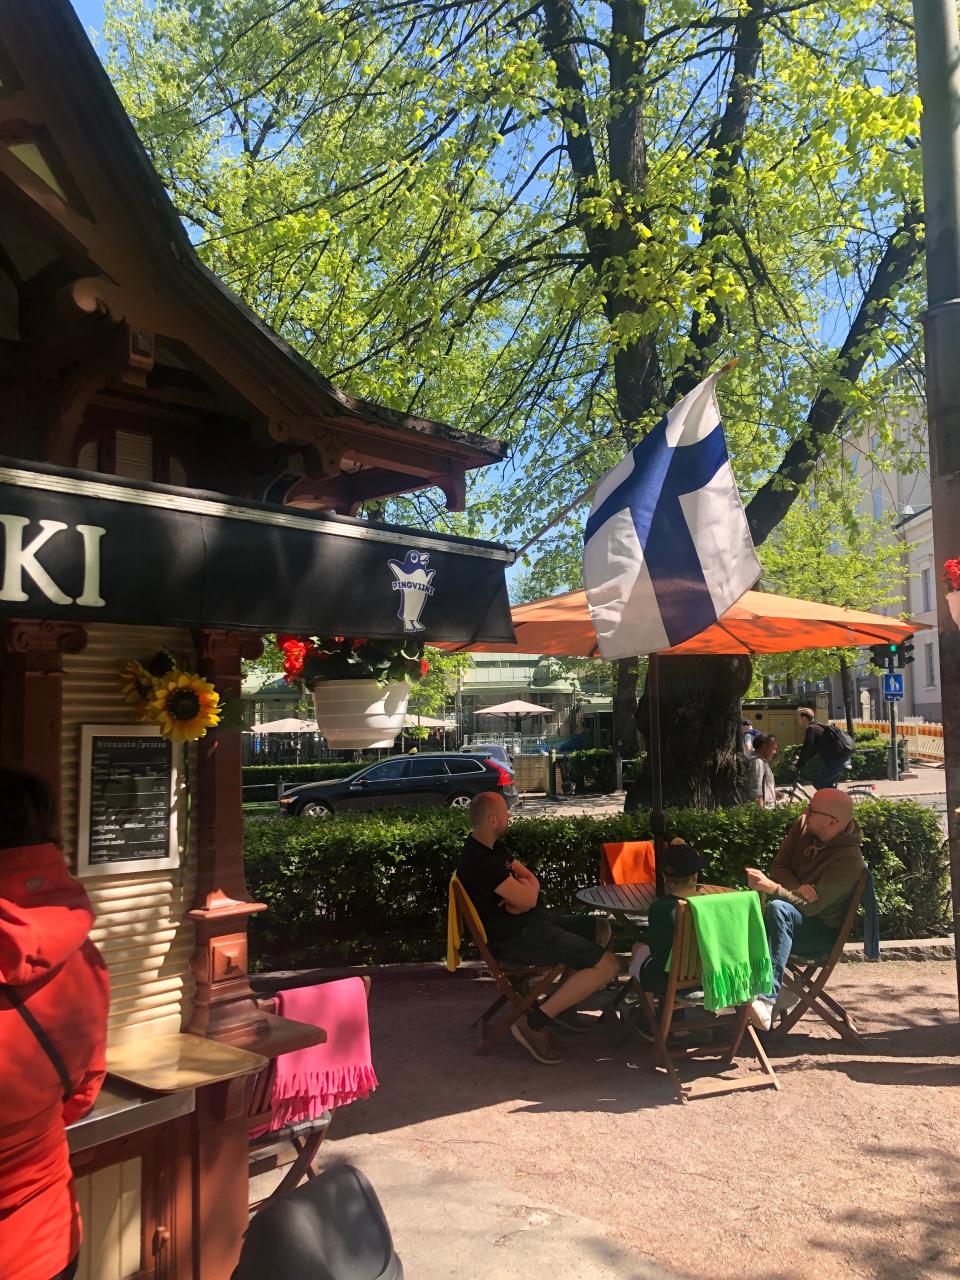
836, 744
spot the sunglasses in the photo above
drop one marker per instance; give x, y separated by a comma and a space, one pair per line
822, 813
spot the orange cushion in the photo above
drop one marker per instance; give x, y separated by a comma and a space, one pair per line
629, 862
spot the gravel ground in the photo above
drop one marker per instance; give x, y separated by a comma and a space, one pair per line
850, 1170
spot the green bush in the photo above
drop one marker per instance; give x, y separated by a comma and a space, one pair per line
260, 780
869, 759
595, 770
372, 887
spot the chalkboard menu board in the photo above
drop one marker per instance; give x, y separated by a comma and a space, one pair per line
127, 817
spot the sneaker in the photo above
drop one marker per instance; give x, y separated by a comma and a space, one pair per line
570, 1020
761, 1013
785, 1001
539, 1044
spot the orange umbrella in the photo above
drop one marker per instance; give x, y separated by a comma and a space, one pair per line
759, 622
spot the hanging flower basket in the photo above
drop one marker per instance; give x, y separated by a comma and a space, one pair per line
355, 715
360, 687
951, 576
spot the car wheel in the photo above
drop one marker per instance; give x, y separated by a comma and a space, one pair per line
314, 809
459, 802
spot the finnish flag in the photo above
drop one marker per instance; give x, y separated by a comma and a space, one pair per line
667, 548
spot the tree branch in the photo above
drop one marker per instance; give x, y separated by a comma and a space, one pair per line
773, 499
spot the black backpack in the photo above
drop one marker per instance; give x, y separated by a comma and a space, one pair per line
836, 743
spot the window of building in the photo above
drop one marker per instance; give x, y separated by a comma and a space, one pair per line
877, 504
928, 662
926, 592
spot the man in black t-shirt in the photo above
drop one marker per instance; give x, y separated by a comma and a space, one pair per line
505, 895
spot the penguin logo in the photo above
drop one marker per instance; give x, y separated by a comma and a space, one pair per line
412, 579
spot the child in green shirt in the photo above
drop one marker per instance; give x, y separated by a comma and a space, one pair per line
648, 963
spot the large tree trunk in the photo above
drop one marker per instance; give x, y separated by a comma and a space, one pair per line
846, 684
699, 716
625, 741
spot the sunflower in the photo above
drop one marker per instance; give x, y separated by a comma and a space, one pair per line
136, 685
185, 706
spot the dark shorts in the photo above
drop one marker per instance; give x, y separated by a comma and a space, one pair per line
550, 938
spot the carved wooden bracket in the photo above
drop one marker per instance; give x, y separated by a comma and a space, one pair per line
32, 644
222, 651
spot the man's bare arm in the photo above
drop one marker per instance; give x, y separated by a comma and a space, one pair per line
523, 874
518, 895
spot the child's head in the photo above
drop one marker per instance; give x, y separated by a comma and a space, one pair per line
681, 866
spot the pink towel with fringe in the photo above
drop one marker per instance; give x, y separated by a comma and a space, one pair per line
311, 1081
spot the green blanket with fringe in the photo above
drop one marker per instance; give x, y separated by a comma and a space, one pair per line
733, 947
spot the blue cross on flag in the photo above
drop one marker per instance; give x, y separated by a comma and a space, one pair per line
667, 548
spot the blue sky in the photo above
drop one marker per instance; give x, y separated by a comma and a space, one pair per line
90, 13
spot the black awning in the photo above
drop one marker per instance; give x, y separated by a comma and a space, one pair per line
94, 548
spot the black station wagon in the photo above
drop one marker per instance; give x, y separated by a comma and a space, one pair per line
440, 778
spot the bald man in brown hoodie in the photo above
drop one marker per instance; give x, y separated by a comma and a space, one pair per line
809, 886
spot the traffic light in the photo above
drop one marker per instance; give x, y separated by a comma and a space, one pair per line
905, 652
884, 656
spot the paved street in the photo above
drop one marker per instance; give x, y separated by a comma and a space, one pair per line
926, 784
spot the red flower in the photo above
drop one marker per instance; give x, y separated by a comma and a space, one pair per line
424, 666
951, 574
294, 652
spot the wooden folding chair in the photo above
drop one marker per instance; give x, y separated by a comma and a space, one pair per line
520, 986
270, 1150
628, 862
806, 977
684, 991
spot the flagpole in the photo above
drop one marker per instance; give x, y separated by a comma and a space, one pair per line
658, 818
588, 493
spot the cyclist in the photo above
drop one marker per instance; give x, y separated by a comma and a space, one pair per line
831, 744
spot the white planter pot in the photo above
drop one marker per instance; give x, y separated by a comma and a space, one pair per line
358, 714
953, 604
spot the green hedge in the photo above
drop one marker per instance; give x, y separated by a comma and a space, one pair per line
869, 759
595, 770
260, 780
372, 887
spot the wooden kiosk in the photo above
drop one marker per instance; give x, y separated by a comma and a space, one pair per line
172, 475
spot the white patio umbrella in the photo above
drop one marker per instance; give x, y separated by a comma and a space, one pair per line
521, 710
289, 725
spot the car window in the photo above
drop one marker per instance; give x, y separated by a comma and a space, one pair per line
427, 769
465, 765
381, 772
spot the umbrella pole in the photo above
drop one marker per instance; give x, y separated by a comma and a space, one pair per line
658, 819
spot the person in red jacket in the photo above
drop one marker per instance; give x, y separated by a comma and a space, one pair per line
54, 998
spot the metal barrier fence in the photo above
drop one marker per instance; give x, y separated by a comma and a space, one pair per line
924, 741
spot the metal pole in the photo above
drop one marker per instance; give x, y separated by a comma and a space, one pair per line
894, 758
938, 75
658, 819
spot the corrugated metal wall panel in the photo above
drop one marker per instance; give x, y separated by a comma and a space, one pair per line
142, 927
110, 1209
